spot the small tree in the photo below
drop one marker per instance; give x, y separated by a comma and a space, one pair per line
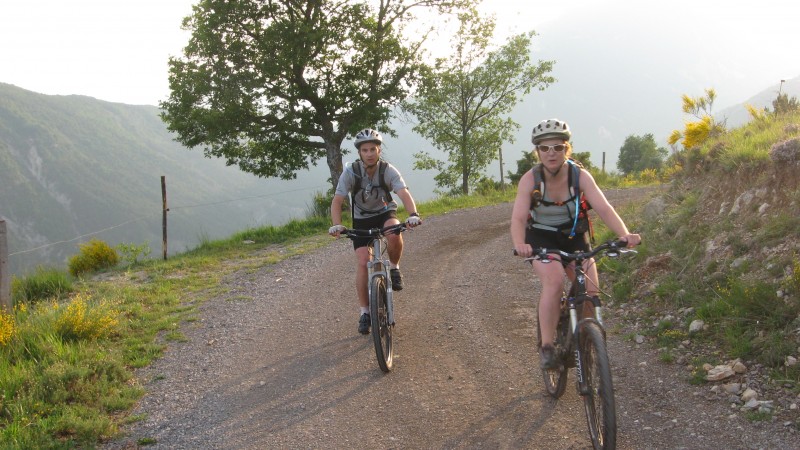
524, 164
696, 133
463, 99
784, 105
585, 159
640, 153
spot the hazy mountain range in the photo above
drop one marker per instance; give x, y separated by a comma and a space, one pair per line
73, 165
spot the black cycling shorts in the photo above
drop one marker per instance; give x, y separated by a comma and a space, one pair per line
538, 238
369, 223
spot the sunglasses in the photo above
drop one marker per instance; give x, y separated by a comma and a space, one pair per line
551, 148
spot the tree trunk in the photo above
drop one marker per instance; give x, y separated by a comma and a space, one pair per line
334, 157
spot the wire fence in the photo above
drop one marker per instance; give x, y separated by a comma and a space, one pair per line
155, 216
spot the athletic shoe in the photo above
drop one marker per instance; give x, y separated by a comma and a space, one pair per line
363, 324
548, 357
397, 279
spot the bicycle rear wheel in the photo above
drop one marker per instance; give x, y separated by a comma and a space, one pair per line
599, 402
381, 329
555, 380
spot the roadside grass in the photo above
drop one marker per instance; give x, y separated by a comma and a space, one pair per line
731, 271
69, 348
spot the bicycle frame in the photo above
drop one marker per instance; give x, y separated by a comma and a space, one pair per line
376, 267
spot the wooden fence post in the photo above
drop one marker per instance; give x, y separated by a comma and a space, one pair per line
164, 219
5, 277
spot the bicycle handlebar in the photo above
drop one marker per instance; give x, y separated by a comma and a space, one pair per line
613, 248
376, 232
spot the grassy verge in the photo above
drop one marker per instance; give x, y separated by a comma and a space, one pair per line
735, 268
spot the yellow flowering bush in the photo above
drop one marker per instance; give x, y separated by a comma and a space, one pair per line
8, 327
81, 319
94, 255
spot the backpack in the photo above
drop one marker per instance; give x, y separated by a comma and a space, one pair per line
382, 165
581, 223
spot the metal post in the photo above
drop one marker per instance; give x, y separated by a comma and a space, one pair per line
5, 277
164, 218
502, 181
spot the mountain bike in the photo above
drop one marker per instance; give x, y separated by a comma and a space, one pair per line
581, 343
379, 288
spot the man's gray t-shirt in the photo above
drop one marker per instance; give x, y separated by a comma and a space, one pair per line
371, 200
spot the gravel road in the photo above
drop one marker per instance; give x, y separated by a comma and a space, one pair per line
277, 363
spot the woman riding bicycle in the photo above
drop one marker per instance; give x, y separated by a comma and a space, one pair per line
548, 216
368, 181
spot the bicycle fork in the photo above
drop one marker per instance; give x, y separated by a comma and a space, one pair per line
583, 387
387, 281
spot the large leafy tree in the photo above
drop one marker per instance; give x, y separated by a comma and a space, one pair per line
275, 85
463, 99
639, 153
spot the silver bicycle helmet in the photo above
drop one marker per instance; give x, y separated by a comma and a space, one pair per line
550, 128
368, 135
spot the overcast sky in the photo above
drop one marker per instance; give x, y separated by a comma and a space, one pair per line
117, 50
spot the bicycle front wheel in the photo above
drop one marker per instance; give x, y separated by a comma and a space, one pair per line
598, 401
555, 379
381, 329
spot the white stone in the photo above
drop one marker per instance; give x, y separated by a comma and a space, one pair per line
696, 325
791, 361
752, 404
765, 406
639, 339
719, 373
739, 367
762, 209
749, 394
732, 388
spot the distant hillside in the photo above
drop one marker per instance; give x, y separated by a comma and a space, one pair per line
73, 165
736, 116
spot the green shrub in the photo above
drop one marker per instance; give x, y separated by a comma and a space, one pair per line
320, 205
131, 252
43, 284
95, 255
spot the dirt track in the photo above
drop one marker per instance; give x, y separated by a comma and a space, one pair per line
278, 364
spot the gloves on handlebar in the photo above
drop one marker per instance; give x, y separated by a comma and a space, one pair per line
336, 229
413, 221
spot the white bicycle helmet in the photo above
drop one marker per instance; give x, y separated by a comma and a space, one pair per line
550, 128
368, 135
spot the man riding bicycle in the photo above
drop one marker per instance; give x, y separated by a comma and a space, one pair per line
547, 216
369, 181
